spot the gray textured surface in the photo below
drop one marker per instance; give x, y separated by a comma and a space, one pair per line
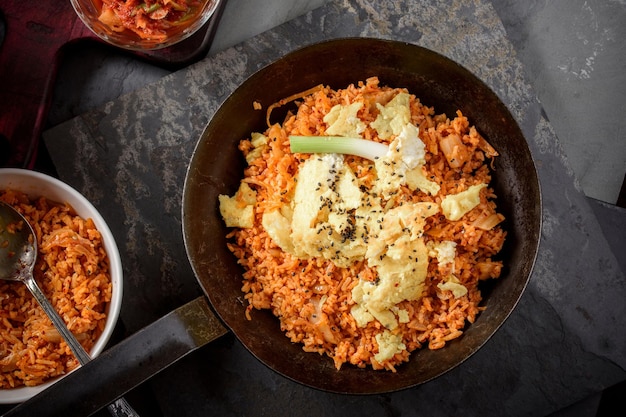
573, 52
565, 340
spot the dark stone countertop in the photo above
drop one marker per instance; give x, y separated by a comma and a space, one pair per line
565, 340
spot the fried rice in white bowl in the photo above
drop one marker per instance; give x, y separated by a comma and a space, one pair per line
78, 268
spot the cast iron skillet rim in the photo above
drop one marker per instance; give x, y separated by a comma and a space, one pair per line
535, 239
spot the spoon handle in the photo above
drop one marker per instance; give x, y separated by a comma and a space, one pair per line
78, 350
120, 407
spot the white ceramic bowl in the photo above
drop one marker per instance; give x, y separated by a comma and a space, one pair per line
36, 184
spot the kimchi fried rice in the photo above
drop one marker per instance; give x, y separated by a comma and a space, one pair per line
322, 303
72, 270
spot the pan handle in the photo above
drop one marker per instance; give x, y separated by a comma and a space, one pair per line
127, 364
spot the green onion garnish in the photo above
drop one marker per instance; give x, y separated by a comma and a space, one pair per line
338, 144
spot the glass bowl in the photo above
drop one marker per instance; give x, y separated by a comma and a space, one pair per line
112, 29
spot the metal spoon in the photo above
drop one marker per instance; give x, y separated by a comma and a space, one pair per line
18, 253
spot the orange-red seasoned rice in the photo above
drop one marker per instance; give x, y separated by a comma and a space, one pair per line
291, 288
72, 269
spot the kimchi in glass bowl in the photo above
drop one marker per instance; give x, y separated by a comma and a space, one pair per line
142, 25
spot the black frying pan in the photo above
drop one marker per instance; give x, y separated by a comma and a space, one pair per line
216, 167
